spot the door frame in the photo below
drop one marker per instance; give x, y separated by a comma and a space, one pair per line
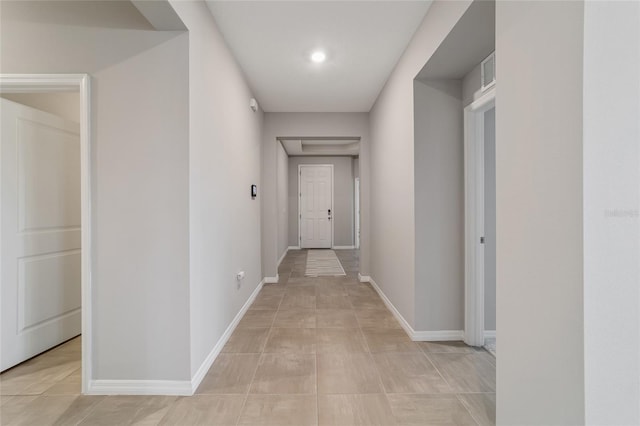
47, 83
300, 166
474, 217
356, 208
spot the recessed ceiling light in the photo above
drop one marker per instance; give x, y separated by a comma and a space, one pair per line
318, 56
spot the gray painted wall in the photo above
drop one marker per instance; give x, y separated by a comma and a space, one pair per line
343, 201
471, 84
392, 165
439, 205
490, 219
309, 125
224, 161
283, 189
140, 172
539, 212
63, 104
612, 212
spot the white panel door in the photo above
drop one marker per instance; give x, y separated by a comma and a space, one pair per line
39, 230
316, 206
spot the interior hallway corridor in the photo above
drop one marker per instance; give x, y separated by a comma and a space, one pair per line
309, 351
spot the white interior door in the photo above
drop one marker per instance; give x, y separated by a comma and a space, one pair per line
316, 206
39, 230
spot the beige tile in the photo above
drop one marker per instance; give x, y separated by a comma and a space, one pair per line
257, 318
295, 318
285, 374
346, 373
64, 388
331, 289
14, 408
467, 372
272, 289
246, 340
409, 373
362, 290
447, 347
47, 410
279, 410
421, 410
351, 410
482, 406
298, 301
389, 340
205, 410
300, 281
376, 318
333, 340
267, 301
291, 340
229, 374
336, 318
129, 410
367, 302
333, 302
301, 291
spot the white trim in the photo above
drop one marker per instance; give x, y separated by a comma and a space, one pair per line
343, 247
474, 217
208, 362
40, 83
489, 334
300, 200
364, 278
294, 248
271, 280
438, 336
140, 387
416, 336
283, 256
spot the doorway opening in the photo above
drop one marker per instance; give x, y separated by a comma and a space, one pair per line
480, 222
45, 225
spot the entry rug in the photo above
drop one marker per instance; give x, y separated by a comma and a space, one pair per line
323, 263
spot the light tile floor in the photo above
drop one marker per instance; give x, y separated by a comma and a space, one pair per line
309, 351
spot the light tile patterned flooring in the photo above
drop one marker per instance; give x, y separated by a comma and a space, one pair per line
309, 351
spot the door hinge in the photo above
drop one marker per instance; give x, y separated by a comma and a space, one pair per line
481, 240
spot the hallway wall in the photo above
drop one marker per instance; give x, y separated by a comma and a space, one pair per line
224, 161
343, 187
140, 178
540, 212
439, 204
308, 125
284, 212
392, 164
611, 153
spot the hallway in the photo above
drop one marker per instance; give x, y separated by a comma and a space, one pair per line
309, 351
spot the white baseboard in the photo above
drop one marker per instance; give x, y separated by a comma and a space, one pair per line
438, 336
283, 256
294, 248
344, 247
416, 336
364, 278
271, 280
208, 362
140, 387
171, 387
491, 334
